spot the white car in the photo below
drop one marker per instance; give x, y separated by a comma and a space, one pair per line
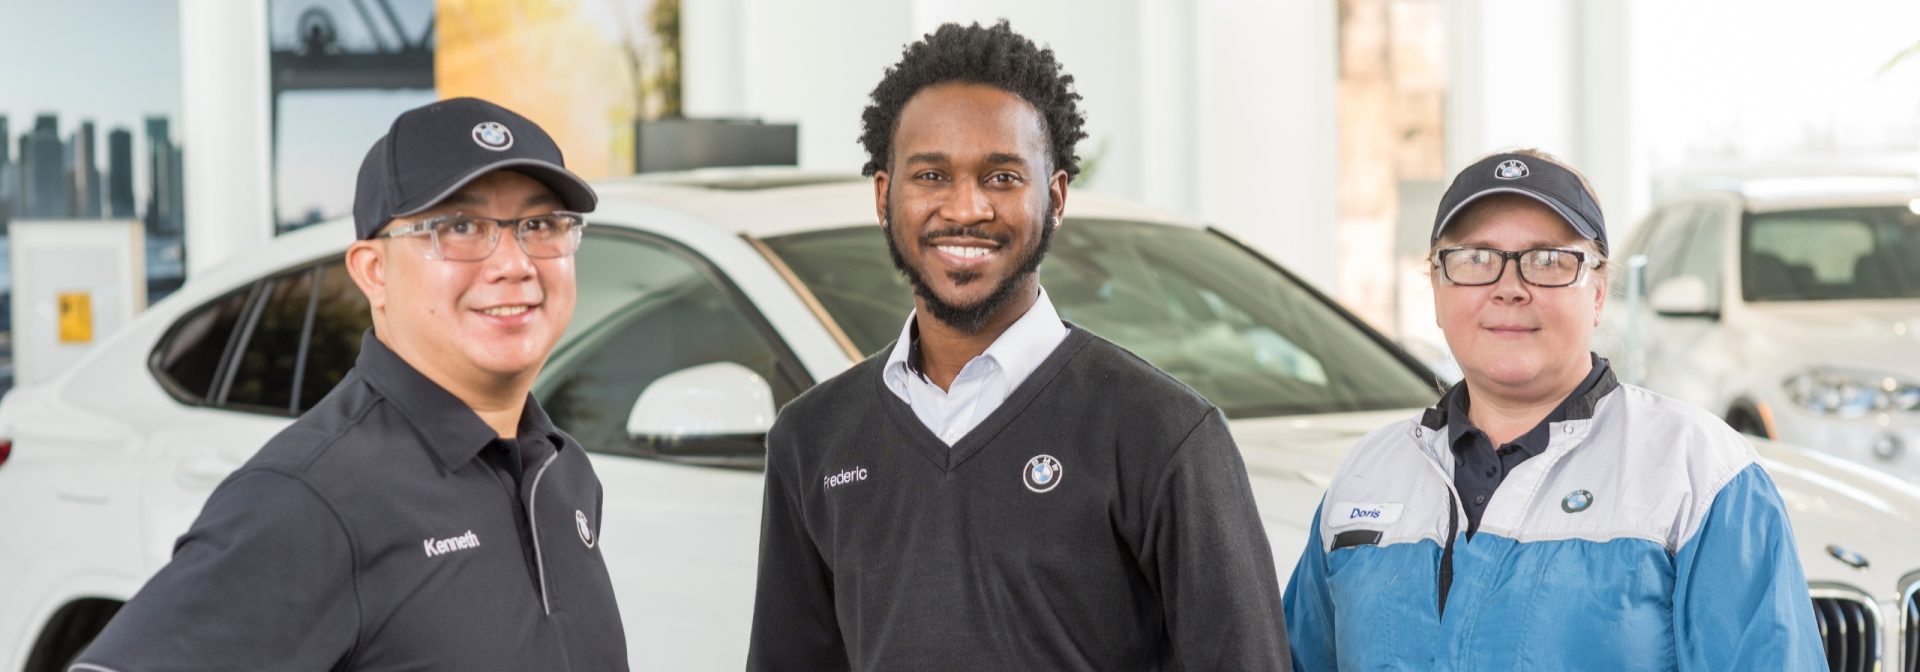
706, 300
1790, 306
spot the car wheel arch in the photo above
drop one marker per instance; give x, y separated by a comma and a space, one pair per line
68, 631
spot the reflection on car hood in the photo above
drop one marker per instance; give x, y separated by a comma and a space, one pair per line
1837, 503
1290, 461
1881, 335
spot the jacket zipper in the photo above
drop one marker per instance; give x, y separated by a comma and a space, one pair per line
1445, 580
1446, 556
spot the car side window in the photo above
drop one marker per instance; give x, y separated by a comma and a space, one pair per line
189, 357
1666, 244
340, 317
276, 346
263, 373
1702, 256
646, 308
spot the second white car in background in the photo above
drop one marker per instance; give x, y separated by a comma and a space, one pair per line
1790, 306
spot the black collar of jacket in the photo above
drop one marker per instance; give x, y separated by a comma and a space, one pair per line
450, 429
1578, 408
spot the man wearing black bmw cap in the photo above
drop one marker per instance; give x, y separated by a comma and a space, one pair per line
425, 515
1544, 515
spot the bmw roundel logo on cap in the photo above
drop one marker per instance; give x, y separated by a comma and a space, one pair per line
492, 135
1042, 473
1511, 169
1576, 501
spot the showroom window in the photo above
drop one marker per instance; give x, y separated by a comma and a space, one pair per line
646, 309
189, 357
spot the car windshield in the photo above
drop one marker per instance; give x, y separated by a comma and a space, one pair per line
1842, 253
1241, 332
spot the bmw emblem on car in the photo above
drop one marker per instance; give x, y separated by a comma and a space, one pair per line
492, 135
1854, 560
1042, 473
1576, 501
1510, 169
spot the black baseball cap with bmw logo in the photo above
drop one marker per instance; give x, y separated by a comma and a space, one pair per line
1548, 182
432, 151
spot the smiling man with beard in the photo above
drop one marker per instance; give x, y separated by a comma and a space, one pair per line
1001, 489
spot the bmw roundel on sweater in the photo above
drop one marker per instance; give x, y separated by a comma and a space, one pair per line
1645, 537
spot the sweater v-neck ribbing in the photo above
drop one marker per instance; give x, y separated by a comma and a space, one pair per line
949, 459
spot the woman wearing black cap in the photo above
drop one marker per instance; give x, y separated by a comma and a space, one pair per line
1543, 515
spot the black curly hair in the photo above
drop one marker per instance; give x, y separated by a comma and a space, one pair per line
996, 57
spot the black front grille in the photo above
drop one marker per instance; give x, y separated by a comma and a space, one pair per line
1851, 631
1910, 605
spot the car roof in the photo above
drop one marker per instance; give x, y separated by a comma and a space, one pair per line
1809, 184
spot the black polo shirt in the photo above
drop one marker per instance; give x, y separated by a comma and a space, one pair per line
388, 528
1478, 467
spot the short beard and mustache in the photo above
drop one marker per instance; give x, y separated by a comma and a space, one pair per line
970, 319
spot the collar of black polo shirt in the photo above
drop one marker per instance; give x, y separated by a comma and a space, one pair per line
448, 426
1451, 412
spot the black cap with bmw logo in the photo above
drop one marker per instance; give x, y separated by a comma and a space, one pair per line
432, 151
1548, 182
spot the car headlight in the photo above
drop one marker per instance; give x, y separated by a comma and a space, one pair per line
1851, 393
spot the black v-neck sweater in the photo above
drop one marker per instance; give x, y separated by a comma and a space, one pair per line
1100, 519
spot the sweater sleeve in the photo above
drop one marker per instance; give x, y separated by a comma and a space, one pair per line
794, 623
1208, 552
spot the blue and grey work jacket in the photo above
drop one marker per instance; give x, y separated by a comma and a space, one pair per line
1645, 537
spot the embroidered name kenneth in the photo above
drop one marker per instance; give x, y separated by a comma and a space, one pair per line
451, 544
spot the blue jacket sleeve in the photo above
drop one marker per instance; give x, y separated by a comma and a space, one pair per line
1309, 607
1740, 598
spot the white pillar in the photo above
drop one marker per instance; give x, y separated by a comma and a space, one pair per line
714, 53
1169, 131
1610, 141
1513, 70
813, 62
1268, 146
1555, 75
225, 129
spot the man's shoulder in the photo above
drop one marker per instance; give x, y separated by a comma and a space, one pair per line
857, 386
345, 423
1116, 372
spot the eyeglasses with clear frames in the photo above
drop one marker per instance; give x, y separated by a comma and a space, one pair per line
1540, 266
464, 237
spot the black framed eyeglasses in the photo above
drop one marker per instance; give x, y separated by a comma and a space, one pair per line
464, 237
1540, 266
